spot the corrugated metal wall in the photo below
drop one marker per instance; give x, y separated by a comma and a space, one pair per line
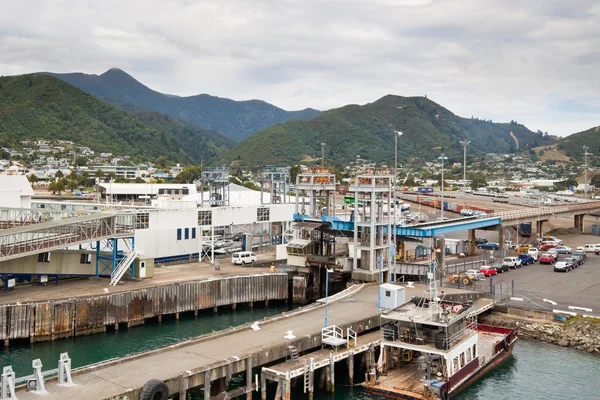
83, 316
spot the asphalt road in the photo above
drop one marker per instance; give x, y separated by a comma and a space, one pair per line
536, 282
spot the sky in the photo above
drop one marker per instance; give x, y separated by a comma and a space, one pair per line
535, 62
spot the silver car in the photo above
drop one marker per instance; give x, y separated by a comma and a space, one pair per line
476, 274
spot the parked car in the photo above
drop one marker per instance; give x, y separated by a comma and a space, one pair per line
237, 237
578, 259
243, 257
524, 248
547, 258
563, 250
544, 246
512, 262
533, 252
571, 262
500, 267
526, 259
488, 270
489, 246
597, 251
554, 253
548, 238
475, 274
580, 252
591, 248
561, 266
480, 240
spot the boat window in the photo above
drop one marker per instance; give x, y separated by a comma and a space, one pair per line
455, 364
462, 360
469, 358
474, 351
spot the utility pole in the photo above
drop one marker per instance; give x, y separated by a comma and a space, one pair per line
465, 143
396, 134
586, 154
323, 155
442, 157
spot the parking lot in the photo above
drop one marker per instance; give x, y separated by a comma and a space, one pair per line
579, 287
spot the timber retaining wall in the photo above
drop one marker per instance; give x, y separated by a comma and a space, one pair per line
55, 319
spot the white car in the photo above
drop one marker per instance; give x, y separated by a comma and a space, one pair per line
512, 262
476, 274
561, 267
533, 252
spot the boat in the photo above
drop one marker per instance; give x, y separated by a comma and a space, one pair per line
434, 348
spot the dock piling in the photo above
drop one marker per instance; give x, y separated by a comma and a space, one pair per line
332, 371
278, 390
249, 378
351, 368
206, 385
288, 387
263, 386
183, 386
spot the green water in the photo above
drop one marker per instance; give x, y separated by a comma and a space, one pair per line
534, 371
85, 350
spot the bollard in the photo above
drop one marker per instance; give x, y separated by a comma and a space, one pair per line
513, 287
64, 370
36, 384
7, 390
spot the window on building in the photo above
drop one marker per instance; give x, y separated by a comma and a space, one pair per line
204, 218
193, 233
388, 293
44, 257
187, 233
178, 233
263, 214
85, 259
141, 221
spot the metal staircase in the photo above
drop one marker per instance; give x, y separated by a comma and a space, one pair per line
307, 375
122, 267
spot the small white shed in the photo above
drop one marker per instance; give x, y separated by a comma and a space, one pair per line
392, 296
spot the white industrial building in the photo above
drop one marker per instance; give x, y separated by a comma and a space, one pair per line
15, 191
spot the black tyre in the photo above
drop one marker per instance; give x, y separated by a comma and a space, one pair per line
154, 390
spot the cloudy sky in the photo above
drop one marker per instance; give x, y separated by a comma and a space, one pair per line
536, 62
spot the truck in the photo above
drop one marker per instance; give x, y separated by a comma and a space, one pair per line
525, 229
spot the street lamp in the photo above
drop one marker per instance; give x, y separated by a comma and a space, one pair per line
379, 279
442, 157
465, 143
396, 134
322, 154
327, 271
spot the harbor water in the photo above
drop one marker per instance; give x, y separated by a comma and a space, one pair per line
534, 371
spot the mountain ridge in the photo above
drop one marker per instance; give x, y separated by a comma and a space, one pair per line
236, 119
368, 131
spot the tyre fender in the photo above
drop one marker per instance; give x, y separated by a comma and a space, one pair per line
154, 390
444, 394
505, 344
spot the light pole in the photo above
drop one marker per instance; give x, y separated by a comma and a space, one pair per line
379, 279
465, 143
327, 271
586, 154
322, 154
442, 157
396, 134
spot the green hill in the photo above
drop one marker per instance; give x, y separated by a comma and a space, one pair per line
235, 119
44, 107
572, 145
429, 130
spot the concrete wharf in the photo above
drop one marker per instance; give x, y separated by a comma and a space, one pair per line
211, 360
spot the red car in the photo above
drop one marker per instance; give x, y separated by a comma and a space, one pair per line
547, 259
488, 270
597, 252
547, 246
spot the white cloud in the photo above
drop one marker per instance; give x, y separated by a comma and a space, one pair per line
535, 62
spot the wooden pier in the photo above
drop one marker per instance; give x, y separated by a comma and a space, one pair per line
54, 319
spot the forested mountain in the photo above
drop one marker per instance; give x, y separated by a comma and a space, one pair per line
368, 131
37, 106
235, 119
572, 145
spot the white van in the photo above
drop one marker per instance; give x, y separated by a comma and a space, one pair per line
590, 248
243, 257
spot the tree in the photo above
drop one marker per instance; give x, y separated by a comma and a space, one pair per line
595, 180
161, 162
59, 174
81, 161
32, 178
56, 187
188, 174
294, 173
99, 174
477, 181
72, 185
